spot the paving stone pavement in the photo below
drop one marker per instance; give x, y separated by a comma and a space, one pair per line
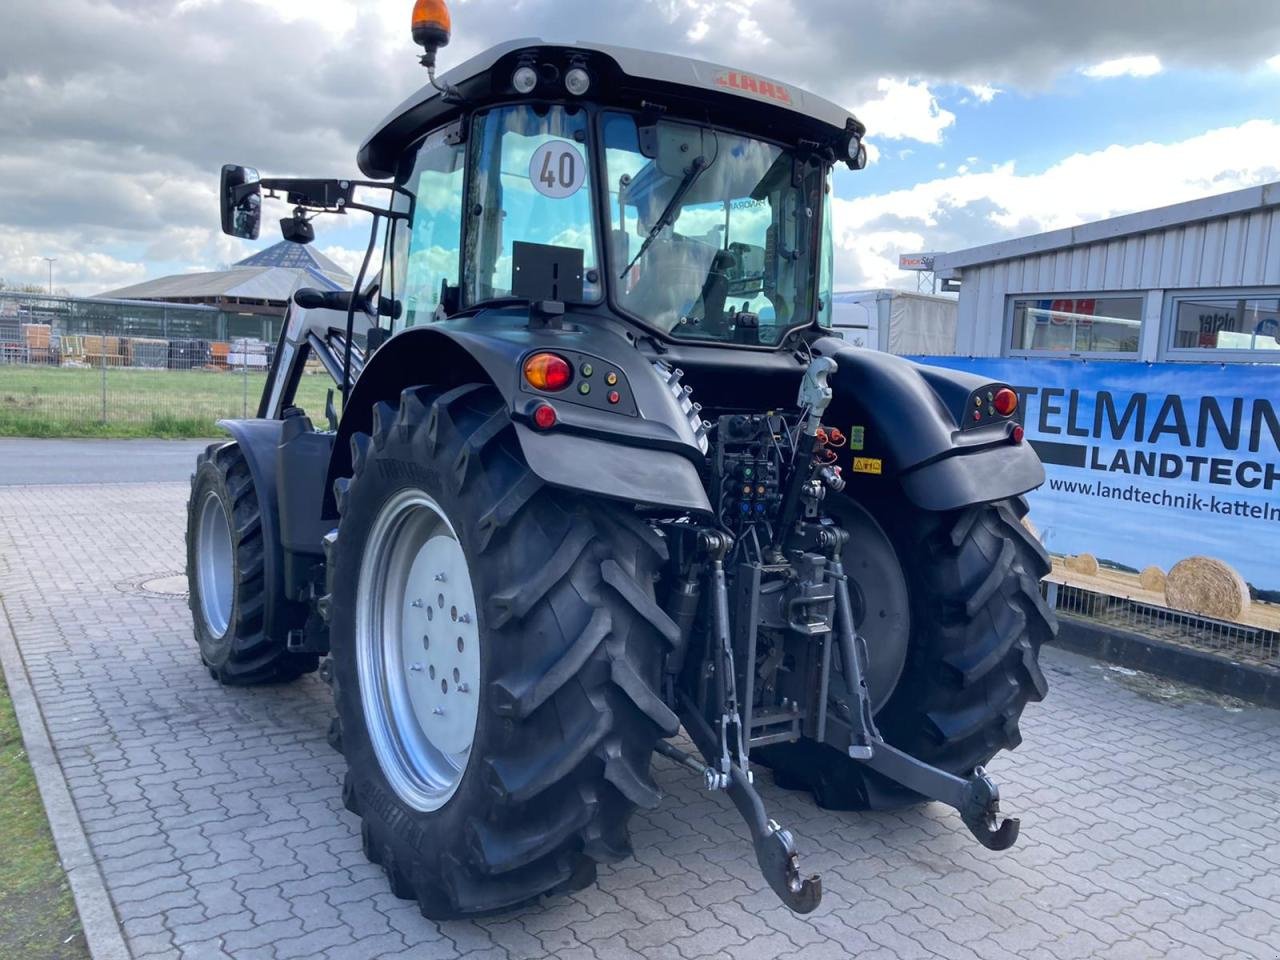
1149, 827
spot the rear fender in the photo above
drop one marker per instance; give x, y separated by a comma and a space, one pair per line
910, 417
644, 450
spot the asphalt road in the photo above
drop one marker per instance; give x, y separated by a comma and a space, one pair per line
27, 461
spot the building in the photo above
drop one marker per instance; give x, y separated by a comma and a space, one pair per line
252, 293
1193, 281
1144, 351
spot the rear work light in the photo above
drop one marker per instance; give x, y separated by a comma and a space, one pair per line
547, 371
1005, 401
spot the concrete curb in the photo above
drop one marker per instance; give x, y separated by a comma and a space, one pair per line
1253, 683
97, 915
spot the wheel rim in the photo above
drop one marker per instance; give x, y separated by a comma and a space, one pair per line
215, 565
418, 650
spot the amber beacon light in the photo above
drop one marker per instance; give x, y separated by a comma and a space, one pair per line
431, 27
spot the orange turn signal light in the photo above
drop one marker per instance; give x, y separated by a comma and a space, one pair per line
431, 23
1005, 401
547, 371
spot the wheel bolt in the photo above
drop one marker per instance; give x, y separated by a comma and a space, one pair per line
464, 688
438, 711
440, 578
416, 603
415, 667
464, 618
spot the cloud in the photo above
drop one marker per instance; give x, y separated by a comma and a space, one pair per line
1143, 66
952, 213
116, 114
905, 109
983, 92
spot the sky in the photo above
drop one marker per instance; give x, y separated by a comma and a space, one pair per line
986, 119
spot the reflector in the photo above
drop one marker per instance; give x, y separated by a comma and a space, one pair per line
544, 418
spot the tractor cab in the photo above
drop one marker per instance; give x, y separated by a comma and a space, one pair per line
696, 211
687, 200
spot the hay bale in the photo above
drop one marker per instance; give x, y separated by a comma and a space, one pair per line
1085, 564
1206, 586
1152, 578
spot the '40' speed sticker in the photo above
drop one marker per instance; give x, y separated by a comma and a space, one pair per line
557, 169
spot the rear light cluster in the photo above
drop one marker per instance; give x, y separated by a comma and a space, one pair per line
1005, 401
548, 371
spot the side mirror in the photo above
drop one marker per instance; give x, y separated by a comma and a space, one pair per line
240, 195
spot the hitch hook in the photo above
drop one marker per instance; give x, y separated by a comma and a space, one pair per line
775, 848
981, 813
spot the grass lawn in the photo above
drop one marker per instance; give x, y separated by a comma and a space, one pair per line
68, 401
38, 919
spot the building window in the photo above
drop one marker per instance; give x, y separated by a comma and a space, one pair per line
1227, 323
1076, 325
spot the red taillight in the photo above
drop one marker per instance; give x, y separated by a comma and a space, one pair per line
544, 416
1018, 433
547, 371
1005, 401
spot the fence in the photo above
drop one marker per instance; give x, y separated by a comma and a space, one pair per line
1235, 641
54, 382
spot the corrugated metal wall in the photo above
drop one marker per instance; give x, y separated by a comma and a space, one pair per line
1242, 250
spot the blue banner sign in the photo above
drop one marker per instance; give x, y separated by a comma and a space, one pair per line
1152, 463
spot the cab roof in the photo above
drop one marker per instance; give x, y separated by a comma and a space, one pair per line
622, 77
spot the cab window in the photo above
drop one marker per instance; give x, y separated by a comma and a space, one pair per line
423, 256
529, 182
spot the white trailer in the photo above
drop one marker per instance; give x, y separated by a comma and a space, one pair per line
897, 321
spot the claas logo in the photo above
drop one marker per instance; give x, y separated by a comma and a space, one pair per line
746, 83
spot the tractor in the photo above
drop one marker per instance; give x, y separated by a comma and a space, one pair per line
602, 484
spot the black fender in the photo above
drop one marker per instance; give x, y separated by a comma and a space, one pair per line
259, 440
645, 450
915, 427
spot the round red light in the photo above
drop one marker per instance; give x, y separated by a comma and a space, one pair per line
547, 371
614, 396
1018, 433
1005, 401
544, 417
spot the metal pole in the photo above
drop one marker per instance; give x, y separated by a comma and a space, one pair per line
102, 357
51, 261
244, 380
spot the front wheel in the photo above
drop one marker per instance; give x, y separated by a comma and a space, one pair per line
976, 624
227, 578
496, 655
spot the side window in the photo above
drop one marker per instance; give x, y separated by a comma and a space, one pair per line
424, 254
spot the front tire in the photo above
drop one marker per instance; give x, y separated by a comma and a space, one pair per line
566, 641
977, 622
226, 576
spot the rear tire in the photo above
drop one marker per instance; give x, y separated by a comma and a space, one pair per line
570, 644
226, 576
977, 624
